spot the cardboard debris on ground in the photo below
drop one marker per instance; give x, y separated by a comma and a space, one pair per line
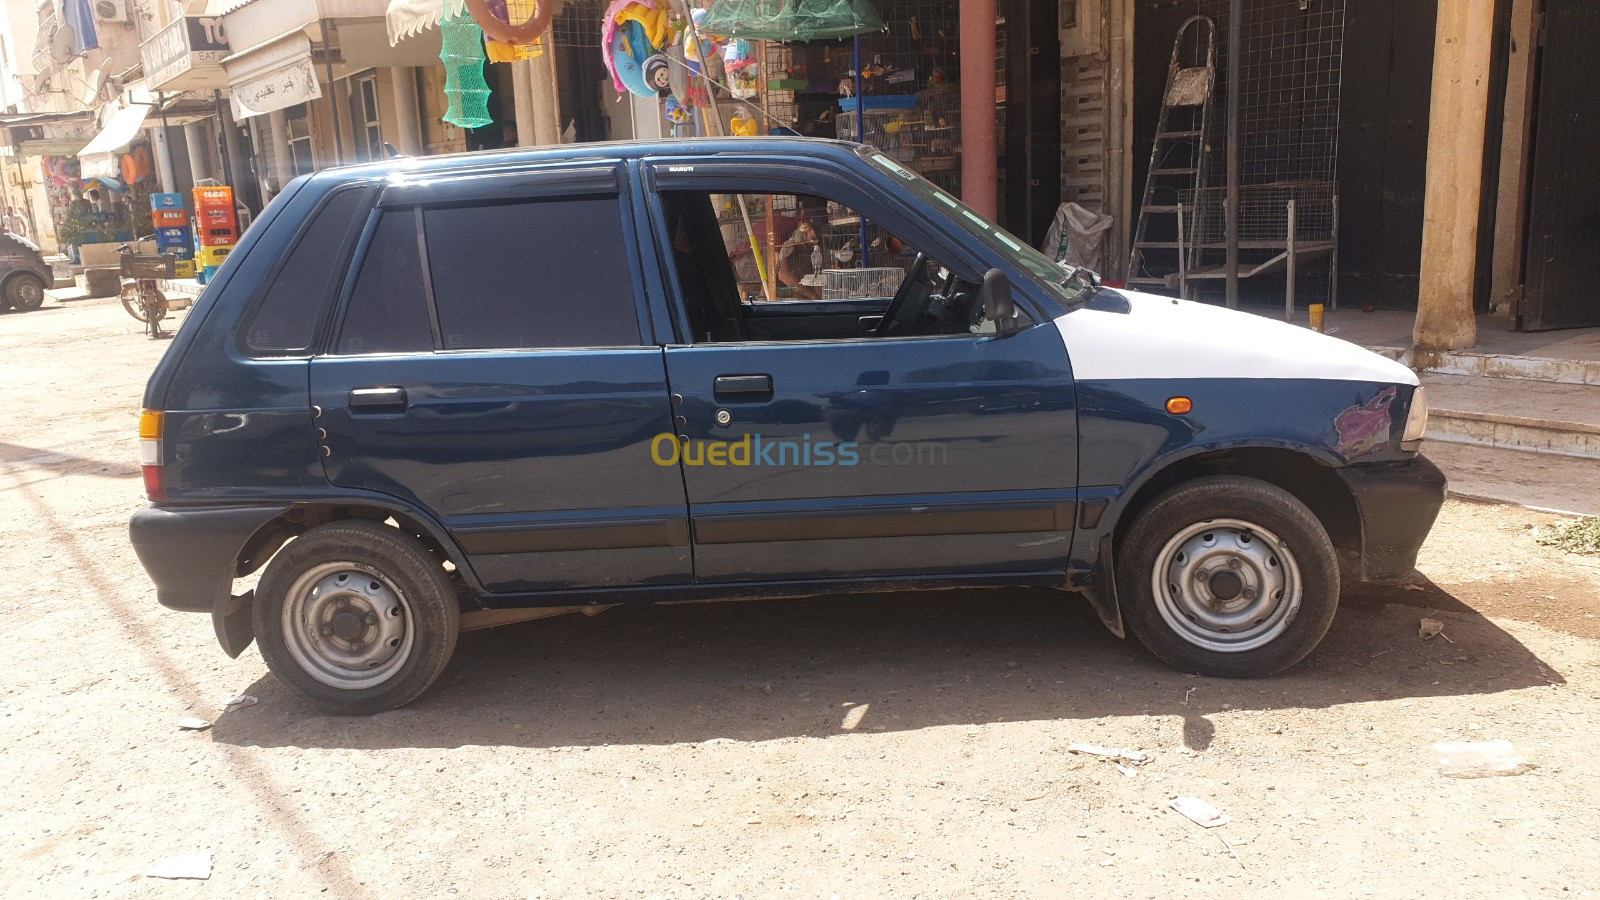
1479, 759
1199, 812
1114, 754
190, 723
1429, 627
189, 865
240, 702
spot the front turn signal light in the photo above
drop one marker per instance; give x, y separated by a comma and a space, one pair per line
1179, 405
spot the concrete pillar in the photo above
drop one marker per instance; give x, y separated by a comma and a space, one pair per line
979, 146
408, 126
1457, 119
197, 135
522, 94
546, 97
282, 162
163, 152
238, 161
1506, 285
344, 114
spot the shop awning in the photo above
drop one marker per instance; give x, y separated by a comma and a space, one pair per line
410, 17
273, 75
99, 158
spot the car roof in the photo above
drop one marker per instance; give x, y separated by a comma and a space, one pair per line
599, 150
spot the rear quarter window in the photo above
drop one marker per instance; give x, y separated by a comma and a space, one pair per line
527, 274
289, 315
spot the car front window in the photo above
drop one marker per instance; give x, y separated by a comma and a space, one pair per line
1057, 281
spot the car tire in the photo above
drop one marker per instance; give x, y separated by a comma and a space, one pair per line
1228, 576
25, 292
356, 616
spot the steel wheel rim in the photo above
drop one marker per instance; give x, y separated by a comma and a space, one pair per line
347, 625
1227, 585
131, 302
29, 291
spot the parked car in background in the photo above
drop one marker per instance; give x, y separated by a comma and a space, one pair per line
24, 275
440, 393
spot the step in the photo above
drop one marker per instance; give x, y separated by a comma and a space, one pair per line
1177, 134
1189, 171
1500, 365
1542, 417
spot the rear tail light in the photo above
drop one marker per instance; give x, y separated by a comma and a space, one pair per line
152, 423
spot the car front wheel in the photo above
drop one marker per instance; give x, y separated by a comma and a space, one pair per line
356, 616
25, 292
1228, 576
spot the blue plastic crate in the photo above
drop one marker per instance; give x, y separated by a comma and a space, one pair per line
879, 101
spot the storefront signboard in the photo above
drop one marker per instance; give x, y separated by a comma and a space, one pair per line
186, 55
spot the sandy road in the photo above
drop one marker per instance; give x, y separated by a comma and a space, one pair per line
908, 745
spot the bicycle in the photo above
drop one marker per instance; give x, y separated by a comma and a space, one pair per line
141, 296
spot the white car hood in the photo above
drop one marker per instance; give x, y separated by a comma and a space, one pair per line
1159, 337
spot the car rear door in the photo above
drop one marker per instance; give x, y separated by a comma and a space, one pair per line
488, 367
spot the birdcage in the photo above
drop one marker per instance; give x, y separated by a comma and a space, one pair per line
845, 284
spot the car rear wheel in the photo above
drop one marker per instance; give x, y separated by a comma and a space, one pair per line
356, 616
24, 292
1228, 576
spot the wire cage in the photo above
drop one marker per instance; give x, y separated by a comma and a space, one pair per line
1282, 227
1290, 77
921, 130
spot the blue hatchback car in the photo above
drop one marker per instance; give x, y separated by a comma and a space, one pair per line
435, 394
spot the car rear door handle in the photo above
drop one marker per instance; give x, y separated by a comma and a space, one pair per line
378, 399
734, 388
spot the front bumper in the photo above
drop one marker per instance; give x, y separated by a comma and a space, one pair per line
1397, 504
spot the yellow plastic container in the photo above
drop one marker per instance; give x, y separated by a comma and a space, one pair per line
212, 256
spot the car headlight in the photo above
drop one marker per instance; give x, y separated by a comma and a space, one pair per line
1417, 419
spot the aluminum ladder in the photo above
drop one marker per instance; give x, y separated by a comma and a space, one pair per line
1178, 158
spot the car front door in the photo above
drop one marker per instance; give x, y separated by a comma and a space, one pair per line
488, 367
849, 456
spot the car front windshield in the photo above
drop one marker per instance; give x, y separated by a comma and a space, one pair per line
1057, 280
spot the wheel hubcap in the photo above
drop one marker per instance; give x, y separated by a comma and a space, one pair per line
1227, 585
347, 625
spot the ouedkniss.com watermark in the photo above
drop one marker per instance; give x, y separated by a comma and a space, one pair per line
755, 450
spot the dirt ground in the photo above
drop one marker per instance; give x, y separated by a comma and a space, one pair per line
905, 745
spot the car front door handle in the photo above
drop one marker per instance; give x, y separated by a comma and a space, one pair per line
734, 388
378, 400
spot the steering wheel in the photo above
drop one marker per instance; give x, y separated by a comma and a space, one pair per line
916, 275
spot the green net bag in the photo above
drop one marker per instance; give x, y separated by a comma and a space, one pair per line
790, 20
461, 52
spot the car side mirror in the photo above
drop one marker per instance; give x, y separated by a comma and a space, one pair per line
998, 307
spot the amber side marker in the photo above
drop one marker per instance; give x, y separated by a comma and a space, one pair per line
1179, 405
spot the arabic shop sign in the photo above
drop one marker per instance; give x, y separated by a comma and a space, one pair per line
285, 86
187, 54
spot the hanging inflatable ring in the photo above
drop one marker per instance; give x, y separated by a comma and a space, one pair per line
504, 31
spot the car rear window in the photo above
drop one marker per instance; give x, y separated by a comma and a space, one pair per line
388, 311
532, 274
289, 314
